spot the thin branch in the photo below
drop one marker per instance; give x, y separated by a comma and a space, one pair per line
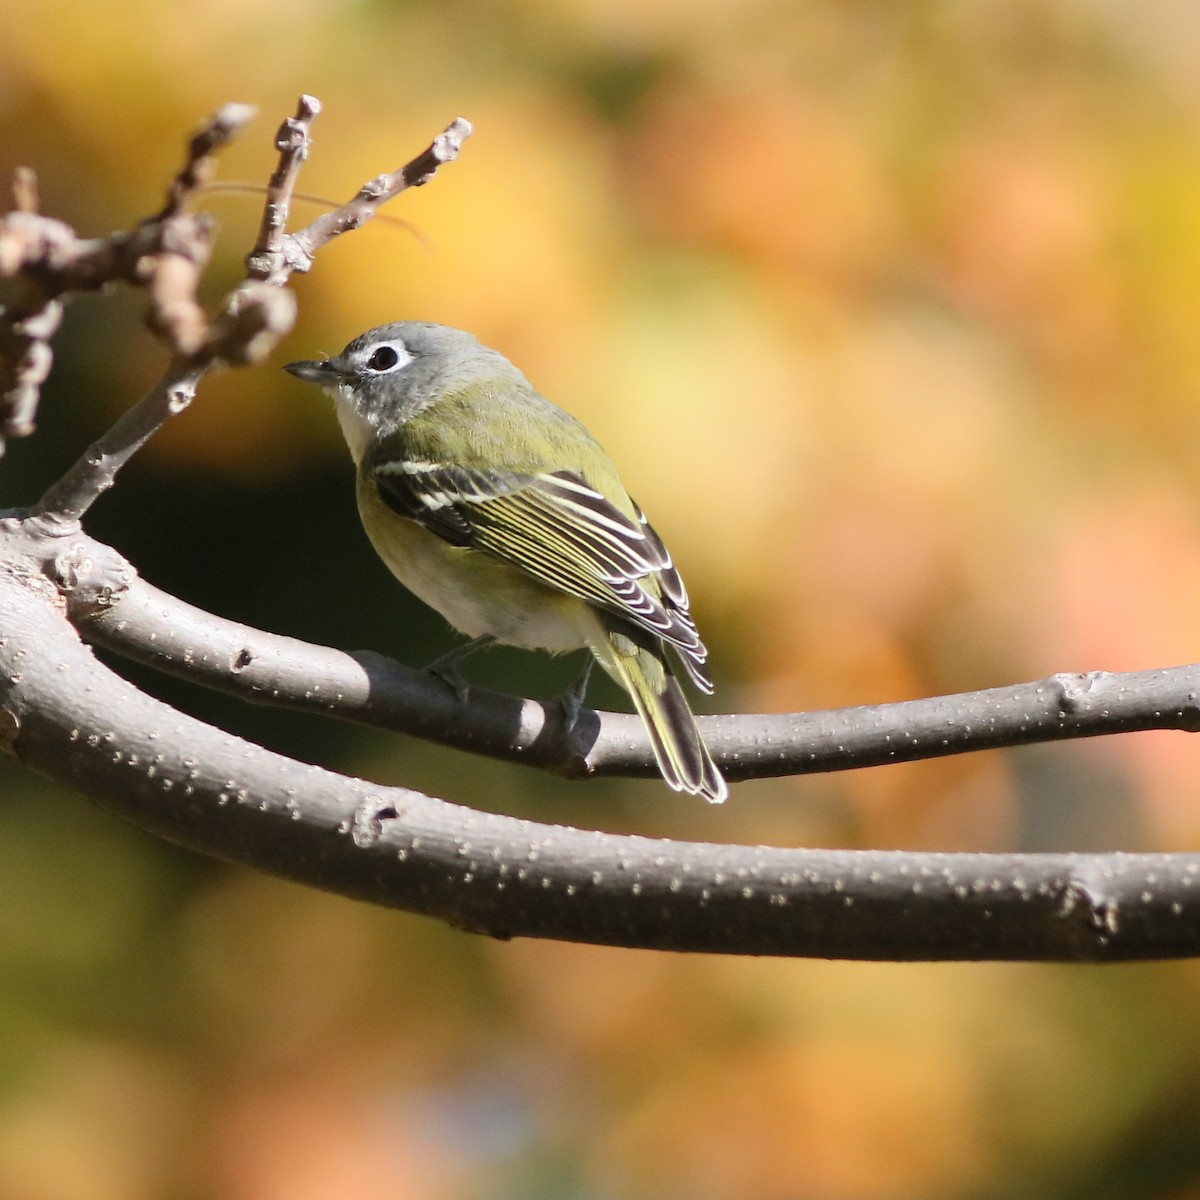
198, 168
292, 141
64, 714
116, 609
25, 190
298, 249
25, 362
172, 275
42, 259
64, 503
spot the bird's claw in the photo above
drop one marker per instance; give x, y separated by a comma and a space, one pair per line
571, 701
445, 667
451, 677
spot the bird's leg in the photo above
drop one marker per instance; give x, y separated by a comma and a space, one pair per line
445, 667
571, 701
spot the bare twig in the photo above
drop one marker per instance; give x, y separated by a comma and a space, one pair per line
25, 190
64, 503
296, 251
172, 275
25, 362
42, 259
292, 141
254, 317
212, 136
233, 187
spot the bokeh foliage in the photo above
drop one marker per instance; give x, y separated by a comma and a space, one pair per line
888, 313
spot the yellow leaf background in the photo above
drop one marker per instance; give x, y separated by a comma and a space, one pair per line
888, 313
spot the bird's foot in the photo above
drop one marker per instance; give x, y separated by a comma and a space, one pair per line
445, 667
571, 701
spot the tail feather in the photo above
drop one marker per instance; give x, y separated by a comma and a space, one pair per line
682, 757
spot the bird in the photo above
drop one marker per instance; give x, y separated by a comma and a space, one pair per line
500, 510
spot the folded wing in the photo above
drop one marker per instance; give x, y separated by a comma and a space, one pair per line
564, 533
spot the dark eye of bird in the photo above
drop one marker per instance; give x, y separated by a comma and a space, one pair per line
384, 359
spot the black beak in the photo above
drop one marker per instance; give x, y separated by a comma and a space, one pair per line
318, 371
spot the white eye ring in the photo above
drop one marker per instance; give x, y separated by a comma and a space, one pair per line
388, 357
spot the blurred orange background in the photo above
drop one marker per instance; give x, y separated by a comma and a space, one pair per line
887, 313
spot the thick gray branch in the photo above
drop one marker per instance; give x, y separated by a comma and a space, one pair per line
66, 715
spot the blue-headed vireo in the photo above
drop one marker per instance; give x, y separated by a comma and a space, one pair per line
502, 512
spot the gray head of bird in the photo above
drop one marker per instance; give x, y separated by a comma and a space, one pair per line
389, 374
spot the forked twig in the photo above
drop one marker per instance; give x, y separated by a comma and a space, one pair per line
254, 317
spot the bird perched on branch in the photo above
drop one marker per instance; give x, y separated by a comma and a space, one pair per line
501, 511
